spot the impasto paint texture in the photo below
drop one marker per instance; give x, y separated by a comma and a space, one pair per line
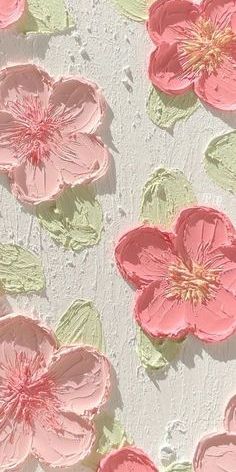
48, 132
131, 180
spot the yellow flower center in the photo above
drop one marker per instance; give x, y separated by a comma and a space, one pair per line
204, 46
195, 284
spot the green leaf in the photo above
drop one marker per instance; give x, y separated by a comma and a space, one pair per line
46, 16
164, 195
156, 354
220, 161
165, 110
81, 325
75, 220
20, 270
180, 467
110, 434
136, 10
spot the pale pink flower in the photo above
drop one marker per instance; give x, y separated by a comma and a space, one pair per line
48, 132
185, 279
48, 396
11, 11
217, 452
196, 49
127, 459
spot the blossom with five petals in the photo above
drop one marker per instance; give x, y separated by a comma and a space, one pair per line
48, 395
196, 49
48, 132
127, 459
185, 280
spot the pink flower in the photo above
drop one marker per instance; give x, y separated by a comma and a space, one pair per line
127, 459
217, 453
11, 11
48, 396
48, 132
186, 280
196, 48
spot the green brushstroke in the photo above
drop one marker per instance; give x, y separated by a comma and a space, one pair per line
220, 161
74, 220
164, 195
165, 110
20, 270
110, 434
136, 10
156, 354
179, 467
81, 325
45, 16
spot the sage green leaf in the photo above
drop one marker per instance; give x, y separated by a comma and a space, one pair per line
46, 16
164, 195
136, 10
180, 467
20, 270
165, 110
110, 434
81, 324
75, 220
220, 161
156, 354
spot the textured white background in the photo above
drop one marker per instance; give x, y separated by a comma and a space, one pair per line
189, 399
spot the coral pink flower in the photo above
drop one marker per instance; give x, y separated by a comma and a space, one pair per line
48, 132
48, 396
11, 11
196, 48
127, 459
217, 452
186, 280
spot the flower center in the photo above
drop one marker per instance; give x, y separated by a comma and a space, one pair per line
203, 47
197, 284
28, 394
37, 129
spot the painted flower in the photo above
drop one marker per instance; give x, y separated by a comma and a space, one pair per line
48, 396
11, 11
185, 280
127, 459
196, 49
217, 452
48, 132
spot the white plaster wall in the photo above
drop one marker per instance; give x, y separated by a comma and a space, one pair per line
190, 399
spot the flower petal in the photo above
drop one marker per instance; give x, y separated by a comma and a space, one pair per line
79, 103
201, 230
35, 183
169, 19
20, 335
70, 442
127, 459
215, 320
10, 11
161, 316
166, 72
82, 378
219, 88
9, 128
19, 82
230, 416
220, 12
81, 159
216, 453
15, 441
225, 261
142, 255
